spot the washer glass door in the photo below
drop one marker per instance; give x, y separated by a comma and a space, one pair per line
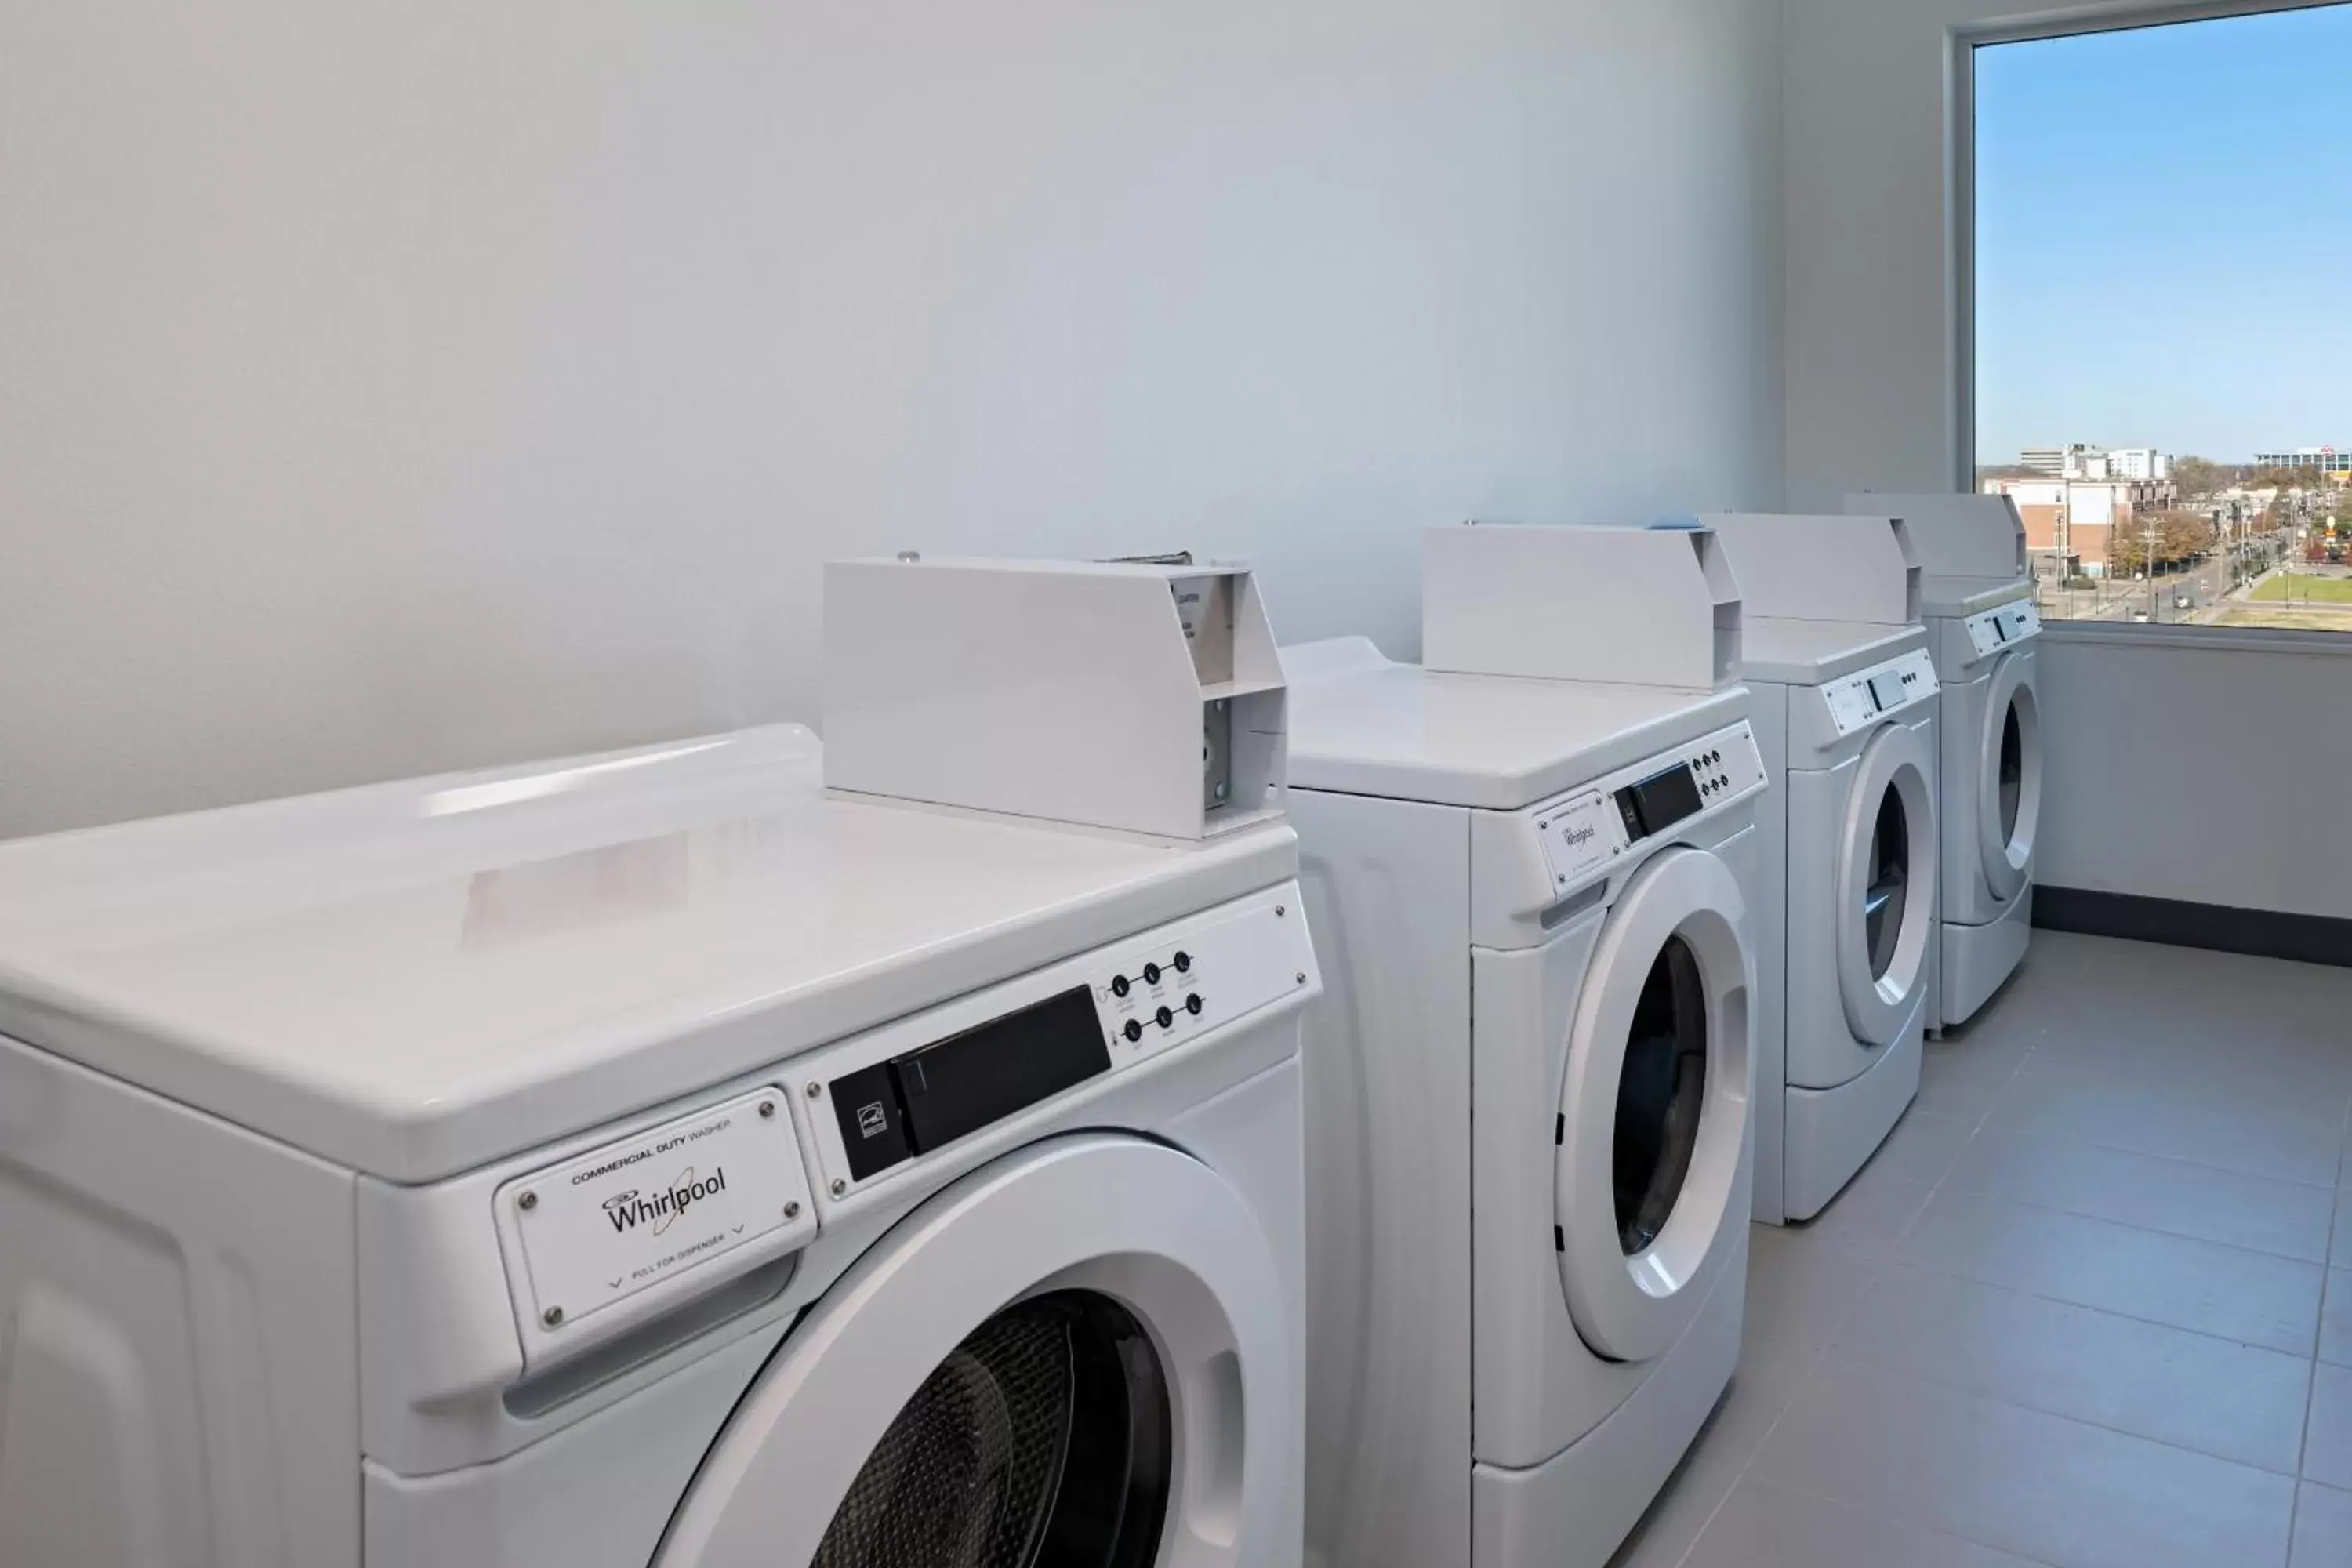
1022, 1374
1654, 1117
1886, 884
1661, 1096
1044, 1438
2009, 771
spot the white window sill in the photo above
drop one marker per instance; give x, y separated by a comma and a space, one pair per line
2214, 639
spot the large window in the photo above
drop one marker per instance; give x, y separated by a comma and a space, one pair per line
2163, 316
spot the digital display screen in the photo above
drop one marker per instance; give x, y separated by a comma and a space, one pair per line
916, 1103
1658, 802
1887, 691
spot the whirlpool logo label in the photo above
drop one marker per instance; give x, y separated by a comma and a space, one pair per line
658, 1211
1578, 834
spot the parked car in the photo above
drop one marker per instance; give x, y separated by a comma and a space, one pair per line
2183, 601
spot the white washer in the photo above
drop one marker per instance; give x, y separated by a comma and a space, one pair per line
648, 1160
1978, 603
1846, 715
1528, 1118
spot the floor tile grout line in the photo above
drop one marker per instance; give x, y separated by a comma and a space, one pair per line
2176, 1159
1804, 1379
2311, 1391
2046, 1136
2294, 1482
1869, 1511
2024, 1203
2176, 1090
1921, 1375
1924, 1267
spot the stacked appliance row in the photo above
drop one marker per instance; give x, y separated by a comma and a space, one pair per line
902, 1149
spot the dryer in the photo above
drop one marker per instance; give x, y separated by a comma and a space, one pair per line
1529, 1085
1983, 630
1845, 709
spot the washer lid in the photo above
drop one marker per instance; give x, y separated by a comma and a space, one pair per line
1956, 599
416, 978
1362, 724
1814, 653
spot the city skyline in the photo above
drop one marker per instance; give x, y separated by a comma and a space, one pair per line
2159, 239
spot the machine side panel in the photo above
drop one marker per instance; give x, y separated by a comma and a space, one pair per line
1387, 1057
177, 1333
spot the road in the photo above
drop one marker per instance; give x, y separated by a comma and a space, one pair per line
2206, 581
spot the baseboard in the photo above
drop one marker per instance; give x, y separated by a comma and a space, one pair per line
2266, 933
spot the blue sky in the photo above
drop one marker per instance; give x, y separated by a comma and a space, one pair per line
2147, 272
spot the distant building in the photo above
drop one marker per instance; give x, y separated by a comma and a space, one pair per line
2081, 461
2069, 522
2139, 463
2319, 460
2051, 461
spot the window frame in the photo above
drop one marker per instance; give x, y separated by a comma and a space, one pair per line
1961, 42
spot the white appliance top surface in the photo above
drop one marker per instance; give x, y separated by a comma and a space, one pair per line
420, 977
1361, 724
1811, 653
1956, 597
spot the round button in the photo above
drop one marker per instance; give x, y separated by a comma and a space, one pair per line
1151, 974
1134, 1031
1183, 962
1167, 1019
1193, 1005
1118, 985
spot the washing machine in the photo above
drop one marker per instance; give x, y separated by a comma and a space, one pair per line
1846, 710
1528, 1088
649, 1159
1983, 629
1847, 716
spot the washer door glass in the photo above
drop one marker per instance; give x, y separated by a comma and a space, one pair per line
1661, 1092
1043, 1438
1022, 1374
2010, 772
1650, 1180
1884, 913
1885, 896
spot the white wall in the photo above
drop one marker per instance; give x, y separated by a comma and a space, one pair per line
2196, 771
2177, 769
387, 387
1869, 399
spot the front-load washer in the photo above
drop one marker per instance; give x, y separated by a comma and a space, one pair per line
1978, 604
1846, 706
1847, 716
1528, 1088
648, 1159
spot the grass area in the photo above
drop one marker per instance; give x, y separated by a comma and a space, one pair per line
2284, 619
2318, 590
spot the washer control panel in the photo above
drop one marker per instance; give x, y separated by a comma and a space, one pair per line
1587, 830
1996, 629
878, 1104
1864, 697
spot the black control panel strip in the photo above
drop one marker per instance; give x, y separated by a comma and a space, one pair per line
1656, 803
925, 1099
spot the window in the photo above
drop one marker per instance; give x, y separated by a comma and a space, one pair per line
2163, 379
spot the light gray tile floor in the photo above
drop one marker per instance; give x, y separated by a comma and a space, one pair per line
2091, 1304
